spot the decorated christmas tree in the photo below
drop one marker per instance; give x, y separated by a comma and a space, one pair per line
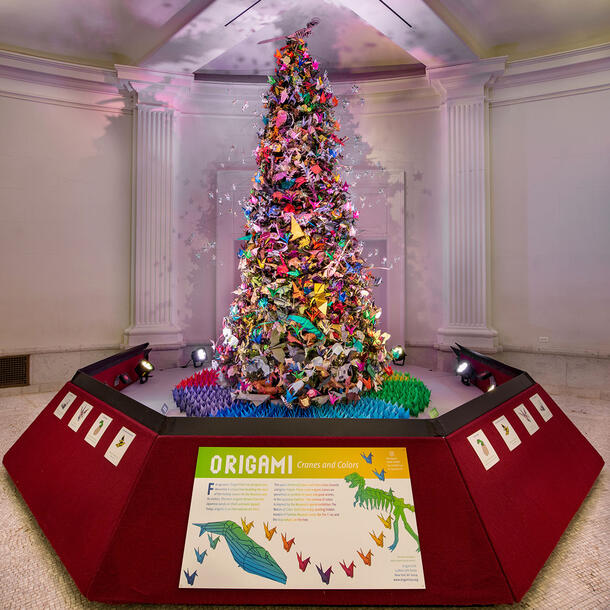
303, 324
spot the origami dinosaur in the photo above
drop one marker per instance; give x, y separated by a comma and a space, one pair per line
373, 498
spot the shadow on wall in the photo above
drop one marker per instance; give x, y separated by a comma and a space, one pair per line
201, 201
80, 222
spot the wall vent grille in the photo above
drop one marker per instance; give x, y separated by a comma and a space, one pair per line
14, 371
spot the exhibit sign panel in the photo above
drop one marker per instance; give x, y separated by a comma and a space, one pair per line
302, 518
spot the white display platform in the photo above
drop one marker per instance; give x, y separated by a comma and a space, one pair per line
446, 390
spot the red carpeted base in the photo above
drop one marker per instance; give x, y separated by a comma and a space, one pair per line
484, 534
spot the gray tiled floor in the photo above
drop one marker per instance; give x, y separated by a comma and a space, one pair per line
575, 576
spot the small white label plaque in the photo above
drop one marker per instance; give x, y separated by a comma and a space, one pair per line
96, 431
79, 416
507, 432
541, 407
483, 448
118, 447
526, 419
63, 406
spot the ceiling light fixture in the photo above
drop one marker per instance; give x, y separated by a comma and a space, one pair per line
391, 9
244, 11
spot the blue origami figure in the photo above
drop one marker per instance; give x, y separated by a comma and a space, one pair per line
249, 555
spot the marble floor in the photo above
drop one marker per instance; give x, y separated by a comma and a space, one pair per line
576, 576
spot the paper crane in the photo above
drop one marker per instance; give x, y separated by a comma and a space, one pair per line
366, 558
386, 522
302, 33
269, 532
325, 575
303, 563
287, 543
367, 458
380, 475
378, 539
246, 526
349, 570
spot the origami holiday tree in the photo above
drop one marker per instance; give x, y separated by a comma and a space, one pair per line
302, 326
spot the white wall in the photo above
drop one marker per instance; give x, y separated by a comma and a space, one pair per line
550, 222
204, 148
65, 187
65, 191
395, 131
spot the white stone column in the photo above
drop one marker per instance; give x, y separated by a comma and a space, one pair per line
466, 294
153, 315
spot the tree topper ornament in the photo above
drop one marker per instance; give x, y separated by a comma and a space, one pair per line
302, 33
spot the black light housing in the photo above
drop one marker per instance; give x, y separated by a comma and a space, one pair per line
199, 356
143, 369
463, 369
398, 355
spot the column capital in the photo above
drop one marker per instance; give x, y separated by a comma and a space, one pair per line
164, 90
466, 81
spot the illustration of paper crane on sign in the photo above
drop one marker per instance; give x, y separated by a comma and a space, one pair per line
325, 575
378, 539
269, 532
349, 570
366, 558
287, 543
303, 563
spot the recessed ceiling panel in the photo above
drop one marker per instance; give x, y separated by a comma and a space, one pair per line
342, 42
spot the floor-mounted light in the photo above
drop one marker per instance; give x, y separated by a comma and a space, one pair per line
398, 355
143, 369
463, 370
199, 356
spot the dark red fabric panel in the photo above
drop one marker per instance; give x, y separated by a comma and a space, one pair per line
527, 499
143, 563
74, 492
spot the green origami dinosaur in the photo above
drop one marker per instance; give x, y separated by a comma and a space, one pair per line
373, 498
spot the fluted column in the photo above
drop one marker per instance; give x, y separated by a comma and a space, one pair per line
466, 315
153, 316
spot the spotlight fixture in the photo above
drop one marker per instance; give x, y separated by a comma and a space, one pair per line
463, 370
198, 356
398, 355
143, 369
462, 367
